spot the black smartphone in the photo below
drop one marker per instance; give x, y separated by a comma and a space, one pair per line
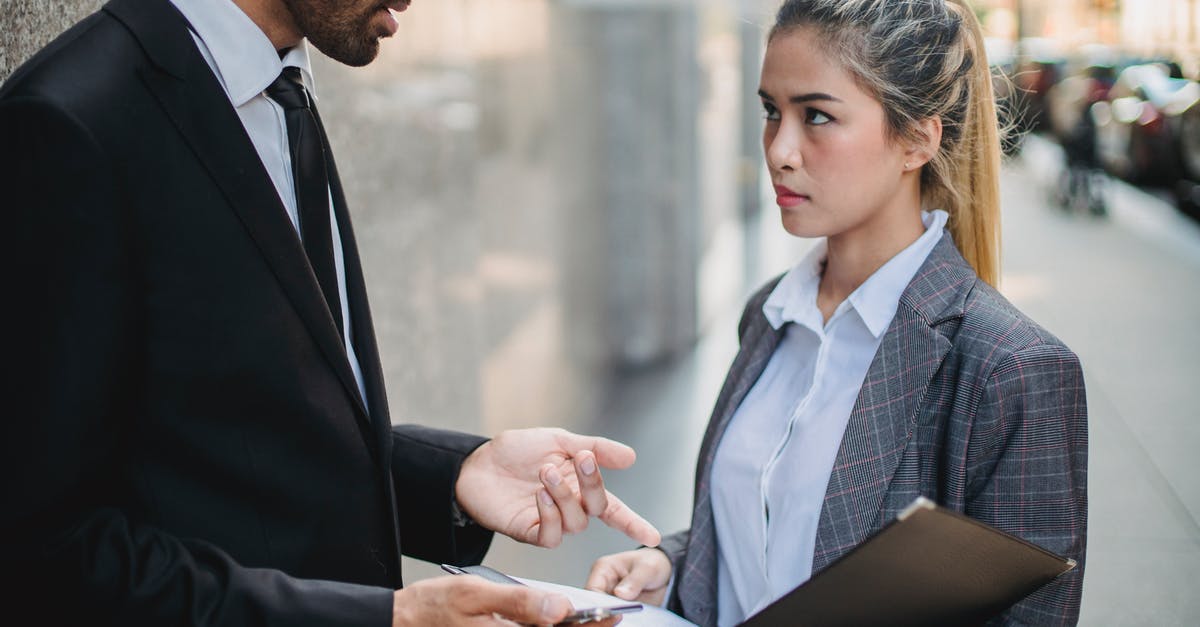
586, 615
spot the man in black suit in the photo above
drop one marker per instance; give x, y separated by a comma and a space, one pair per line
196, 431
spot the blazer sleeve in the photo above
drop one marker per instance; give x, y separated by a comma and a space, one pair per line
425, 467
675, 546
72, 360
1028, 469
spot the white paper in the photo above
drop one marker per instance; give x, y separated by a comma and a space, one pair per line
649, 616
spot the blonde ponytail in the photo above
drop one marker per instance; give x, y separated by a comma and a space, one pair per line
975, 220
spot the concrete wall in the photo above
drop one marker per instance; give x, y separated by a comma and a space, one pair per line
535, 185
27, 25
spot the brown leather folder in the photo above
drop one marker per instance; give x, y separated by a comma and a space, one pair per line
930, 566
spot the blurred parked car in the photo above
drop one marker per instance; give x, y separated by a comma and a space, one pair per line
1187, 189
1069, 102
1138, 129
1082, 183
1189, 142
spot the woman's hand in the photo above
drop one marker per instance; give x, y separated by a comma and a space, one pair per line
640, 575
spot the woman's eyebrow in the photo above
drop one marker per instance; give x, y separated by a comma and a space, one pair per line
803, 98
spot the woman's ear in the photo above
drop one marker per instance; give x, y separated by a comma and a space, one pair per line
927, 144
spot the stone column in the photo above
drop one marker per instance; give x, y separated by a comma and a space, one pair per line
27, 25
628, 93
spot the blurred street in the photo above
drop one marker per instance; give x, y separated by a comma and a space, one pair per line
1121, 291
1123, 294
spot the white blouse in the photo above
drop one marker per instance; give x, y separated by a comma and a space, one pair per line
773, 463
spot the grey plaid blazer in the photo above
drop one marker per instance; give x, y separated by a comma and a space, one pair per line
967, 402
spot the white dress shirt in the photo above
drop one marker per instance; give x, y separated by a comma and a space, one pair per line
773, 464
245, 63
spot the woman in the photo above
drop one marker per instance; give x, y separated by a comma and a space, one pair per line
884, 366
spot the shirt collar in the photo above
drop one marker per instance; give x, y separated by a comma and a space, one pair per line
245, 61
794, 299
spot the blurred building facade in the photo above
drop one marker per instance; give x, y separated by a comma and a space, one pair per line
1152, 28
545, 192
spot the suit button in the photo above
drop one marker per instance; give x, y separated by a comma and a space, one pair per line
376, 554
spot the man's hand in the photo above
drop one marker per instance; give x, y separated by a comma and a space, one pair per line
640, 575
471, 600
533, 485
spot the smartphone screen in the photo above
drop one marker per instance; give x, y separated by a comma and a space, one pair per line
594, 614
580, 616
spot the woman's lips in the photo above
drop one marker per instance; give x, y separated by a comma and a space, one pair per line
787, 198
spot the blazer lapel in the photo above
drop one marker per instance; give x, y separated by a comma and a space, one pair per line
887, 407
697, 580
195, 102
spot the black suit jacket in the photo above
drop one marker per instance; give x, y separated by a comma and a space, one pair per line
184, 440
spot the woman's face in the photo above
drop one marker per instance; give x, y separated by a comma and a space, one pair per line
833, 166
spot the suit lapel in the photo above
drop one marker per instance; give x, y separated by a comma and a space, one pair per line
363, 328
195, 102
365, 346
698, 577
887, 407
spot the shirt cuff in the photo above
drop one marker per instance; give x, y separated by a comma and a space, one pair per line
458, 516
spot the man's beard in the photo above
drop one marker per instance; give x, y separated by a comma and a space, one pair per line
339, 34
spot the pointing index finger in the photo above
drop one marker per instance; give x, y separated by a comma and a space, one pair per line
619, 516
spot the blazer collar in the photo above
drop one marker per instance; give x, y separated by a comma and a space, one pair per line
889, 401
161, 30
196, 103
939, 290
246, 61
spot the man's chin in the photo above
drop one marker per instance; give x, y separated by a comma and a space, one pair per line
355, 56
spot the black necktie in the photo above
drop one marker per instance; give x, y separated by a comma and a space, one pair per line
311, 176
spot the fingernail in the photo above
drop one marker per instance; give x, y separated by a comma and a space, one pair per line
545, 497
553, 477
554, 607
621, 591
588, 466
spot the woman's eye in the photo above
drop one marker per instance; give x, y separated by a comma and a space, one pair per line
770, 112
816, 117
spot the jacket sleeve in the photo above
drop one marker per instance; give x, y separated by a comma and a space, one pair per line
1028, 469
71, 375
425, 467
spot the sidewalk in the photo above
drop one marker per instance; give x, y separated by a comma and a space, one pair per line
1124, 293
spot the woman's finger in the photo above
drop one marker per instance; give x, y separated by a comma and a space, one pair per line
606, 573
648, 573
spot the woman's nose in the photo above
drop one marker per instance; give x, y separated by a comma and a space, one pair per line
783, 149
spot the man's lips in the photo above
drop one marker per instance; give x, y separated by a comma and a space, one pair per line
788, 198
390, 25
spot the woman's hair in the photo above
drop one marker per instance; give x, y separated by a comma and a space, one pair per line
925, 59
